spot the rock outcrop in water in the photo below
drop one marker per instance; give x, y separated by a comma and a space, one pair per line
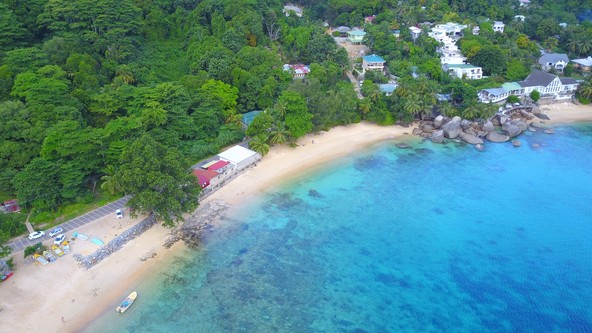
201, 219
500, 128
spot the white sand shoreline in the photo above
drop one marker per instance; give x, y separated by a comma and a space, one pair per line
37, 297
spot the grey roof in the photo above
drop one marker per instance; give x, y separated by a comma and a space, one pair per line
496, 91
537, 78
342, 29
568, 80
553, 58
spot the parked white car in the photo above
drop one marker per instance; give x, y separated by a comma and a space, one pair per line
36, 234
58, 240
119, 214
56, 231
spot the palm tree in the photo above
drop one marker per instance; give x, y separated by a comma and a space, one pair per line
470, 112
447, 109
279, 134
281, 109
259, 144
365, 106
109, 183
412, 105
585, 89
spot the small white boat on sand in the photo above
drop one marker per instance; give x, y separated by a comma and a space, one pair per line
127, 302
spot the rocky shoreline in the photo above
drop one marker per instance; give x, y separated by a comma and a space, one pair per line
500, 128
203, 218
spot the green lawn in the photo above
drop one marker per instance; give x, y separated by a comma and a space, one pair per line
65, 213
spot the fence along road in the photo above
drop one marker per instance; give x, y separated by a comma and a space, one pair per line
21, 243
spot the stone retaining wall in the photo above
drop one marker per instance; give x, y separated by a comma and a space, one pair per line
115, 244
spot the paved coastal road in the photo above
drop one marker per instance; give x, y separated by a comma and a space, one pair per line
21, 243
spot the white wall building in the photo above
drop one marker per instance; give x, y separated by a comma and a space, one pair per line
464, 71
415, 32
240, 157
498, 26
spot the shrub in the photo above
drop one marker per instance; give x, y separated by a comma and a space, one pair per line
535, 95
37, 248
513, 99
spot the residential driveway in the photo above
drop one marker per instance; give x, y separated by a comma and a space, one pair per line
21, 243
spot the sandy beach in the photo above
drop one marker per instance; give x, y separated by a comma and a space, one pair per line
63, 297
564, 113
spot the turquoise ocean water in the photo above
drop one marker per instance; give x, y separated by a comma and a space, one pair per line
431, 239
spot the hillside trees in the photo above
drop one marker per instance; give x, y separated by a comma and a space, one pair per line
159, 180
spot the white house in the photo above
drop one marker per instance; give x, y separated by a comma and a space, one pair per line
356, 36
415, 32
548, 85
298, 71
464, 71
372, 62
524, 3
557, 61
520, 18
240, 157
476, 30
498, 26
583, 64
451, 28
289, 8
493, 95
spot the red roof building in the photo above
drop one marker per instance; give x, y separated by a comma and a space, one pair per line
219, 166
205, 176
12, 206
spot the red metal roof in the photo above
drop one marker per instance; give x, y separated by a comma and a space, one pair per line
218, 165
204, 176
12, 205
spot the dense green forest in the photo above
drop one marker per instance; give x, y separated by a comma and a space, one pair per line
81, 82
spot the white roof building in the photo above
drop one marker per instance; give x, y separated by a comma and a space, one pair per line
240, 157
291, 8
498, 26
446, 35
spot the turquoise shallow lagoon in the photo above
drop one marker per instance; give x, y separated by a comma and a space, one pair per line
431, 239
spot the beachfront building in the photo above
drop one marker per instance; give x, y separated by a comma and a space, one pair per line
356, 36
290, 8
493, 95
498, 26
298, 71
583, 64
206, 177
221, 167
548, 85
415, 32
556, 61
239, 157
373, 62
464, 71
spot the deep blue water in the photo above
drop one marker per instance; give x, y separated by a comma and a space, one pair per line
431, 239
